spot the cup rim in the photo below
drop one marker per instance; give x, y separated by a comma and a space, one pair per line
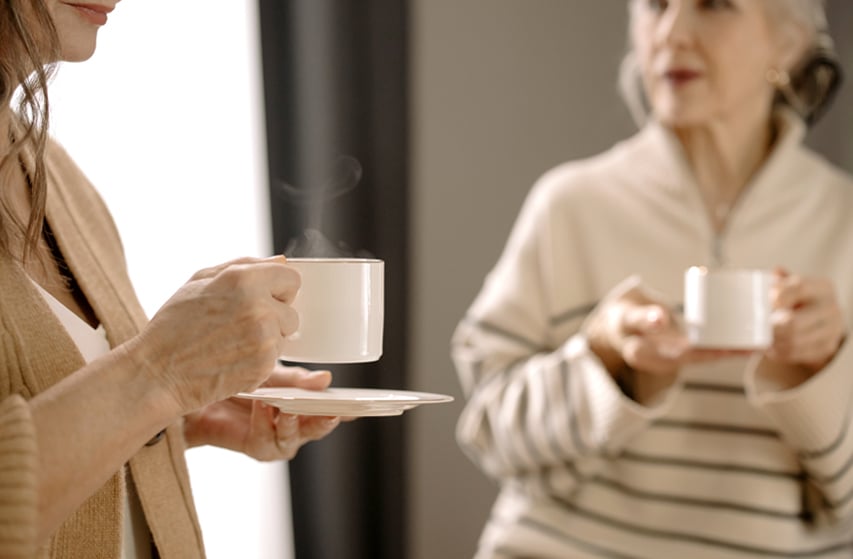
709, 270
331, 260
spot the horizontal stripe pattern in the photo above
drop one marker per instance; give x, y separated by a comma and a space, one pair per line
574, 314
703, 534
594, 526
711, 462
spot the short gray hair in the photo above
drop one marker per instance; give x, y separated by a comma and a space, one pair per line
814, 80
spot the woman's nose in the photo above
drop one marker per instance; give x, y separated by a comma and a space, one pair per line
676, 26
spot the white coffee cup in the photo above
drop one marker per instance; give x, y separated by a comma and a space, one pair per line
341, 311
728, 308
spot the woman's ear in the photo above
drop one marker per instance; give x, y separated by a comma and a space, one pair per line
792, 45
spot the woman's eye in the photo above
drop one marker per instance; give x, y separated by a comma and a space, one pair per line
657, 5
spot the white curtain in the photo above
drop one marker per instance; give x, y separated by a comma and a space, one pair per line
166, 119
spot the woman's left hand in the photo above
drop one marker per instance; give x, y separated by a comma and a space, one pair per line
257, 429
808, 324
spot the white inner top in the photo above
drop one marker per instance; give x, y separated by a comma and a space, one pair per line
92, 343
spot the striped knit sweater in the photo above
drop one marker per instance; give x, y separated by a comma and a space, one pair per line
720, 465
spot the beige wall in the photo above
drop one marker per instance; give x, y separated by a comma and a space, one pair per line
503, 89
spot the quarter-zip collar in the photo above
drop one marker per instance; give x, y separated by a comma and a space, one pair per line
672, 173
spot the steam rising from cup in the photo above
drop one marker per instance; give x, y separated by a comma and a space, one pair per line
345, 175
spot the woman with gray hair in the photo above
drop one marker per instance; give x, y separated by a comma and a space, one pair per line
610, 433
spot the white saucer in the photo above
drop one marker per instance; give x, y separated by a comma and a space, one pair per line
348, 402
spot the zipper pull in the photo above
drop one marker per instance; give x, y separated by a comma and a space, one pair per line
717, 251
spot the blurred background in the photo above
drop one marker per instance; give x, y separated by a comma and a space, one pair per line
194, 113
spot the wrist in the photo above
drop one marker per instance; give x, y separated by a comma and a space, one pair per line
153, 393
815, 367
609, 357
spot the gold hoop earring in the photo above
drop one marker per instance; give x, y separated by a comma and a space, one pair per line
780, 79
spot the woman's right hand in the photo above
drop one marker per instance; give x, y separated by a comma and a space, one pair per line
633, 327
221, 333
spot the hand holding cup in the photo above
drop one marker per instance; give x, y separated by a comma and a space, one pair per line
795, 320
808, 323
221, 333
635, 327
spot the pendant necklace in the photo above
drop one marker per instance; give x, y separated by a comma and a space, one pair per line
720, 212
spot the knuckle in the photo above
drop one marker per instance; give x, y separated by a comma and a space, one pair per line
257, 329
632, 352
234, 278
202, 274
294, 278
257, 311
264, 456
291, 321
253, 449
782, 329
290, 452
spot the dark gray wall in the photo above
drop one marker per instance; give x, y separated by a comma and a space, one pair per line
833, 135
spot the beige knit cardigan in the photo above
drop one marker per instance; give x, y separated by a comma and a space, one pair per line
36, 352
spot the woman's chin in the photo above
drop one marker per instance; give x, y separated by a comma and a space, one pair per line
681, 118
77, 51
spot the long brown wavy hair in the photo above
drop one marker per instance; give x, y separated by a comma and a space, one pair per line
29, 49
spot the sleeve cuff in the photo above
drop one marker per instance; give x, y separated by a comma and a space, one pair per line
607, 418
18, 486
809, 415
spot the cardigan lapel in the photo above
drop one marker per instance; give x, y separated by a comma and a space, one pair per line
91, 248
89, 242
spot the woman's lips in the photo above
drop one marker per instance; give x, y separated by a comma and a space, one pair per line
93, 13
681, 76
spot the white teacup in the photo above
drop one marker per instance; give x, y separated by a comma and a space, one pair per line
341, 311
728, 308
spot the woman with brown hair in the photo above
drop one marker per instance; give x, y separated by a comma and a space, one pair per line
97, 403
